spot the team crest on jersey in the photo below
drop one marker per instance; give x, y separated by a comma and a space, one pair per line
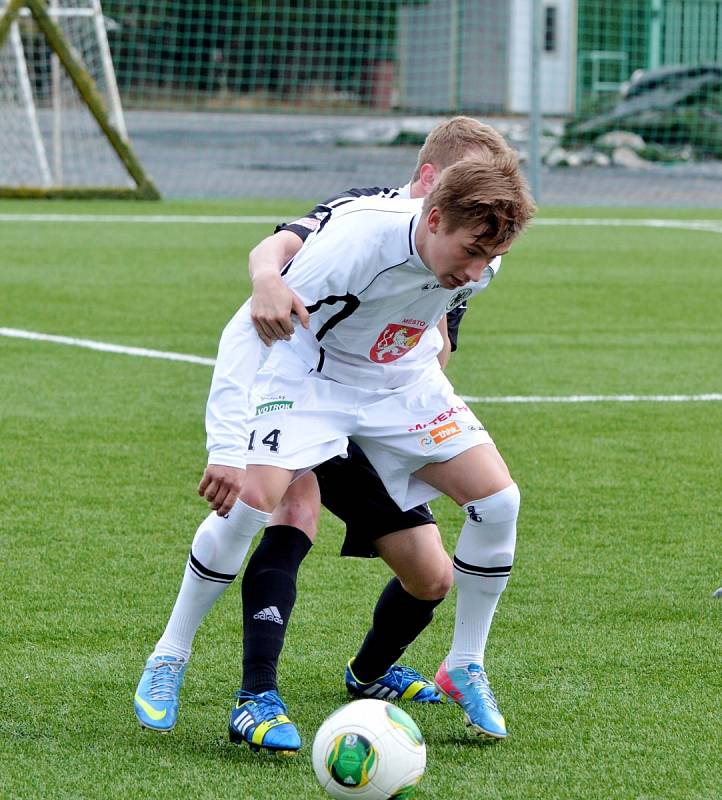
395, 341
458, 299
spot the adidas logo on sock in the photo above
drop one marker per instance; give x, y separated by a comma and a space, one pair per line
270, 614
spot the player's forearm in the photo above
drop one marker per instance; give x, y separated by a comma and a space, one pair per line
269, 256
445, 352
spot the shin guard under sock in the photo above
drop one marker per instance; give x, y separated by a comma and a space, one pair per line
268, 591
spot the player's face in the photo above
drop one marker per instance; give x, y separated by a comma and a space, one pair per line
458, 257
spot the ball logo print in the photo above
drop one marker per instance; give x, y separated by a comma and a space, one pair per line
351, 760
369, 749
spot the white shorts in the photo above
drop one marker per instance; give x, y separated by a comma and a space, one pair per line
303, 419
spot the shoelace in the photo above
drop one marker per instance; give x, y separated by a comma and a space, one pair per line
480, 682
165, 679
267, 707
402, 676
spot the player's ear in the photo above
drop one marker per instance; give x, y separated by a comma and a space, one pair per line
427, 174
433, 219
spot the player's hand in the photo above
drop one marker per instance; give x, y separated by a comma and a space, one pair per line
272, 307
221, 487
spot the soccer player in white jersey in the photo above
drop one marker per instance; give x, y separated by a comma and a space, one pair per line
273, 566
378, 269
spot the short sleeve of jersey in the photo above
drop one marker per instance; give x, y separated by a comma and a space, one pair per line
304, 226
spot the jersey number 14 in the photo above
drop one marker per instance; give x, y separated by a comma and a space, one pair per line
270, 440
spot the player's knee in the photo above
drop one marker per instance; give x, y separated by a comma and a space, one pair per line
505, 506
258, 496
435, 584
298, 512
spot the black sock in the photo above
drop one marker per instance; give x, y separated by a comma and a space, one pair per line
268, 591
398, 619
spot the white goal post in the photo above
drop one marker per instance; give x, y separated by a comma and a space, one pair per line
62, 128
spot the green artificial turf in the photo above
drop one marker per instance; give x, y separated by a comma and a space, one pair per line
605, 650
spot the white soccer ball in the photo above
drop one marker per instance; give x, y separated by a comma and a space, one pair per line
369, 749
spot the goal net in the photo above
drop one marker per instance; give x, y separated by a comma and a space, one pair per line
62, 130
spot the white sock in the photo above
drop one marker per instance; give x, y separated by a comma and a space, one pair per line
219, 548
482, 562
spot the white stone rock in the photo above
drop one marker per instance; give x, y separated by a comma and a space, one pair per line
625, 157
557, 157
574, 160
632, 141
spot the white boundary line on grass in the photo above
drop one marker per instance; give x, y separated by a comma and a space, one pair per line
165, 355
106, 347
705, 225
187, 219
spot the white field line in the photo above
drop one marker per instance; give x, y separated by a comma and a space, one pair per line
708, 225
106, 347
165, 355
705, 225
176, 219
598, 398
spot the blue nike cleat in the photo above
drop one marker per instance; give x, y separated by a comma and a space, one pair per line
398, 683
469, 687
156, 698
261, 721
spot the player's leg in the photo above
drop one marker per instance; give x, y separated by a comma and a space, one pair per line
478, 480
352, 490
268, 589
268, 593
404, 609
306, 428
217, 553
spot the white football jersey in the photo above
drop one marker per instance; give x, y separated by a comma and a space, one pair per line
241, 354
374, 304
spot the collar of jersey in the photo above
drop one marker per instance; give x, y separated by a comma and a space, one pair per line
414, 256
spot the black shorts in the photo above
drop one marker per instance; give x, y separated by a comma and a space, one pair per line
352, 490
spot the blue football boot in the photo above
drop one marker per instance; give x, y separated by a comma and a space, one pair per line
261, 721
398, 683
156, 698
469, 687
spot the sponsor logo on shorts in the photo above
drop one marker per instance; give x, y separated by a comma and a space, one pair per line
422, 426
396, 340
437, 436
274, 405
458, 299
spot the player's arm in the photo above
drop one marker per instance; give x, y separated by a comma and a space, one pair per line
445, 351
272, 302
240, 354
449, 325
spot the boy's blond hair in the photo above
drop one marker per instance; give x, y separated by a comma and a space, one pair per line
489, 194
457, 138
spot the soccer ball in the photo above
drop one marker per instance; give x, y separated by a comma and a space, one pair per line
369, 749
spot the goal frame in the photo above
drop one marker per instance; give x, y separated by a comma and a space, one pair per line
111, 125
